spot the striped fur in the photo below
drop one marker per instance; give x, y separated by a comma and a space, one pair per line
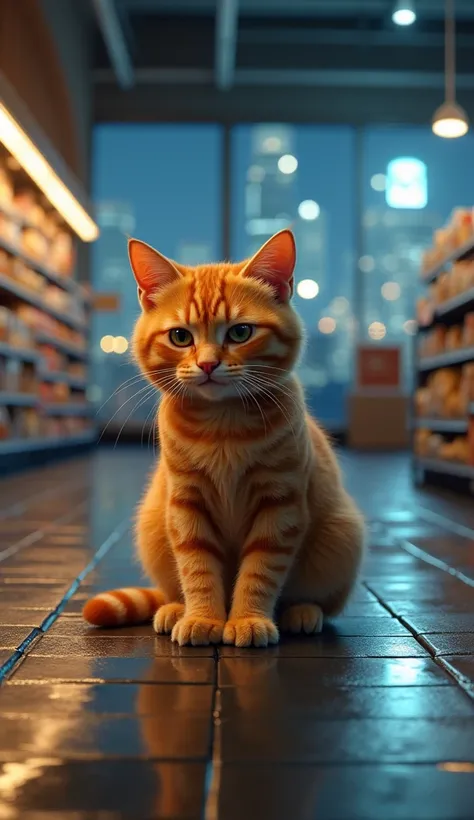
245, 519
131, 605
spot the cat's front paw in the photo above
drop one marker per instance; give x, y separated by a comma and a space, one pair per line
251, 631
166, 617
197, 631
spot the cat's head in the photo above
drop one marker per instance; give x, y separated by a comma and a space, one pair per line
217, 331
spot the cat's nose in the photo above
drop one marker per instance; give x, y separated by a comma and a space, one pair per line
208, 367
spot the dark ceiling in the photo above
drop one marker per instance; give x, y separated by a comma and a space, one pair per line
238, 59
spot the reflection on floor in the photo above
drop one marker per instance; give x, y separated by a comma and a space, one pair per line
374, 719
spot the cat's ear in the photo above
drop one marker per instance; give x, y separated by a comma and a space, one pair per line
274, 264
151, 269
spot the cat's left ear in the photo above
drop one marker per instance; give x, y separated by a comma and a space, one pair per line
274, 264
151, 269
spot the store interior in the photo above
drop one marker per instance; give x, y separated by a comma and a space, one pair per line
203, 128
204, 147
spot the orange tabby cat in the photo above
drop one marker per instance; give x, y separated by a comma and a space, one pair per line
245, 517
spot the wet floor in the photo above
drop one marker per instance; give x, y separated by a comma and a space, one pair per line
373, 719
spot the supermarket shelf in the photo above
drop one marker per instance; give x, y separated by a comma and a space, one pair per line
18, 399
10, 286
55, 278
67, 409
29, 445
21, 353
461, 301
439, 465
63, 378
443, 425
462, 252
461, 356
65, 347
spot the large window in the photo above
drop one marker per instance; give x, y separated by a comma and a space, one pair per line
411, 182
304, 176
160, 183
363, 206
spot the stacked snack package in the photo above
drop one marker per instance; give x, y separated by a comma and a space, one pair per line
458, 231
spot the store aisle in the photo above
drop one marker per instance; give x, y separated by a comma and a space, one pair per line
374, 718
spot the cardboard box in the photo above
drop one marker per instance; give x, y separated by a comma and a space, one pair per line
379, 420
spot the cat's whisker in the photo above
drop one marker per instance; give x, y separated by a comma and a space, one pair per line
133, 379
135, 395
150, 412
142, 401
257, 403
278, 404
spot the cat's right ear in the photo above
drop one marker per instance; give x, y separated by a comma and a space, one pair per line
151, 269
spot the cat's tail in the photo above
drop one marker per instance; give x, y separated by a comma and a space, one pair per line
122, 607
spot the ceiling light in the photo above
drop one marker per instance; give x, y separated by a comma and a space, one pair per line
36, 166
287, 164
404, 13
450, 120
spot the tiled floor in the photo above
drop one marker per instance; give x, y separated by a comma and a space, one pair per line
372, 720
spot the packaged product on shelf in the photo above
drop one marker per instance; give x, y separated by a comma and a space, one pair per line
24, 203
424, 312
6, 262
455, 450
462, 226
423, 402
12, 376
468, 330
6, 189
28, 278
61, 256
34, 243
445, 385
20, 335
5, 424
5, 321
9, 229
468, 381
57, 298
27, 379
454, 337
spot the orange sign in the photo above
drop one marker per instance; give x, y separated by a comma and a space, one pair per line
106, 302
378, 367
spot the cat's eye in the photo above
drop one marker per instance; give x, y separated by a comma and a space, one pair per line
180, 337
239, 333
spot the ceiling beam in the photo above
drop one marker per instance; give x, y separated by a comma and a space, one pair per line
227, 14
115, 41
304, 78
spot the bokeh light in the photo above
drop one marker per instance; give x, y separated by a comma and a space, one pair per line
377, 331
307, 289
327, 324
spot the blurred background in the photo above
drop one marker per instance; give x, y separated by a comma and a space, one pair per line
203, 127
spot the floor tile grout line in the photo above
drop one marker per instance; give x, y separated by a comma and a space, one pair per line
417, 552
461, 681
37, 633
38, 535
213, 769
448, 524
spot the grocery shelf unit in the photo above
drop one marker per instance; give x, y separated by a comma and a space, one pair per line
450, 312
44, 311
